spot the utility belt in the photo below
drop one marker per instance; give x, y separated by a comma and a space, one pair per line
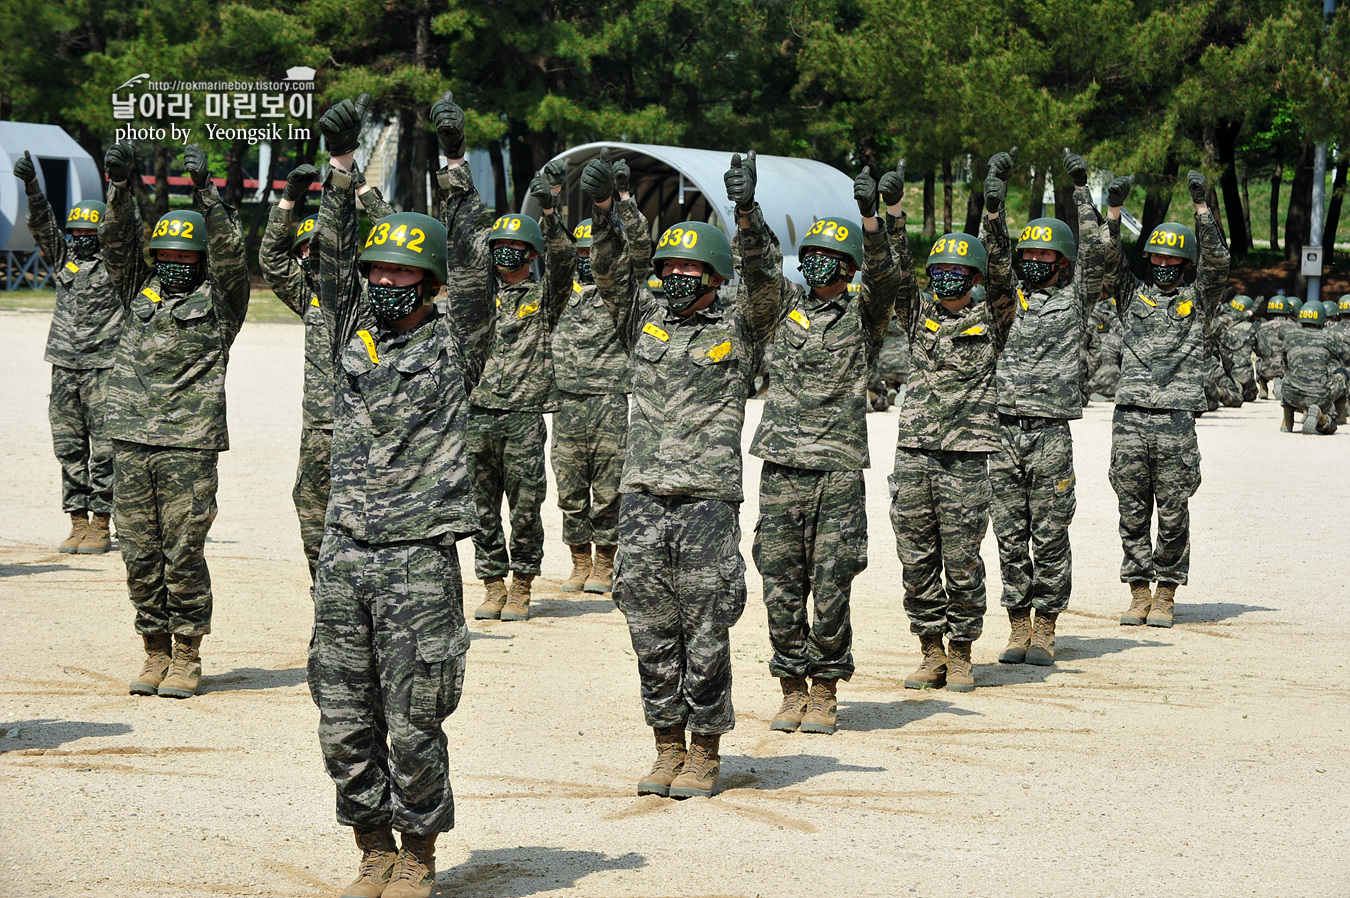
1029, 423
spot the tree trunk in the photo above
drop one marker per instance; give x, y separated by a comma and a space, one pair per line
403, 182
1247, 208
233, 194
421, 151
1239, 234
1276, 177
929, 205
161, 181
867, 155
494, 149
1334, 213
1298, 222
974, 207
1066, 210
143, 199
1157, 200
1036, 204
947, 195
522, 169
263, 207
1211, 195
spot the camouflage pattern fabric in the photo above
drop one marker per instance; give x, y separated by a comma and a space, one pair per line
940, 512
1031, 479
589, 436
166, 501
1162, 364
386, 668
691, 376
506, 458
168, 380
680, 582
1154, 461
639, 236
310, 493
810, 540
894, 362
89, 315
1235, 348
1312, 354
815, 415
1104, 350
1269, 345
588, 357
75, 409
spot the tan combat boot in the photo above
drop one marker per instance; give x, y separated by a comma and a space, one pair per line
822, 714
1163, 604
378, 854
702, 769
581, 568
518, 599
156, 667
670, 755
795, 700
98, 538
932, 672
185, 670
414, 874
79, 526
1311, 418
491, 609
1141, 599
603, 572
1042, 651
1020, 639
1342, 411
960, 671
1287, 422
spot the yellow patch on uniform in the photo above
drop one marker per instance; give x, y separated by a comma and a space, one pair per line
314, 301
154, 297
71, 266
978, 330
1023, 298
1065, 484
367, 339
655, 331
719, 352
800, 319
527, 310
1184, 309
499, 302
931, 325
576, 286
1147, 300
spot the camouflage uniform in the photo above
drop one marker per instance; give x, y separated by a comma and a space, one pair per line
679, 574
1104, 347
386, 660
893, 364
86, 326
811, 537
1039, 391
948, 427
1269, 345
506, 419
1317, 376
1154, 456
590, 427
1220, 387
166, 411
295, 289
1235, 349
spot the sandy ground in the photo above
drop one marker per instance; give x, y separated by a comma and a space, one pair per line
1211, 758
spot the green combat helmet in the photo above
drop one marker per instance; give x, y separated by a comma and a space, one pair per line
581, 236
958, 249
1049, 233
696, 241
407, 238
86, 214
304, 233
1172, 239
1279, 305
1295, 303
180, 230
1331, 309
1343, 306
1242, 303
1312, 314
518, 227
838, 234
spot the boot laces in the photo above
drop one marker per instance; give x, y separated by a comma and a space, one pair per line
408, 868
820, 699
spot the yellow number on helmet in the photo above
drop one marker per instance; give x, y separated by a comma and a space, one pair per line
841, 234
690, 238
306, 226
93, 215
962, 247
829, 228
400, 234
187, 230
938, 247
415, 244
175, 227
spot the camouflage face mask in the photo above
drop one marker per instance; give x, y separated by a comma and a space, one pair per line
306, 265
584, 269
821, 270
948, 284
1037, 273
176, 275
391, 303
509, 258
85, 245
1166, 275
682, 291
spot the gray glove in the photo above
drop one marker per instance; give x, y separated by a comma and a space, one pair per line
597, 178
194, 160
119, 161
995, 192
622, 176
740, 181
24, 169
893, 184
1118, 190
865, 192
1001, 164
448, 120
1196, 183
341, 125
298, 181
1075, 166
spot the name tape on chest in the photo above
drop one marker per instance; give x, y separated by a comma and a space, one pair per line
576, 287
154, 297
800, 319
931, 325
1147, 300
652, 330
367, 339
1023, 298
72, 267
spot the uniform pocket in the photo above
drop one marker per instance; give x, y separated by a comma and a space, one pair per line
730, 602
438, 680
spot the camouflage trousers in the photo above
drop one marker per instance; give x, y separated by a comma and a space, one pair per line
386, 668
310, 493
680, 582
1031, 482
76, 408
1154, 461
1105, 370
1240, 370
1337, 382
589, 435
164, 503
506, 457
940, 512
811, 539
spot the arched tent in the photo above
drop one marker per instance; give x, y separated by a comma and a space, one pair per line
674, 184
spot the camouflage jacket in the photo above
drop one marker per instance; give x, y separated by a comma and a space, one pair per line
949, 405
399, 458
295, 288
815, 415
167, 386
691, 376
1310, 353
1039, 375
1268, 341
1162, 363
588, 357
88, 319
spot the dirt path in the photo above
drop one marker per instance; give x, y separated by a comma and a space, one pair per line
1211, 758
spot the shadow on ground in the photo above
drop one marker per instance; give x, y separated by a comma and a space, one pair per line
514, 872
1213, 612
46, 733
251, 678
24, 570
573, 607
867, 717
768, 774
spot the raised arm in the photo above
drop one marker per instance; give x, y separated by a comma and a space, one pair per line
761, 260
280, 268
42, 222
1089, 269
121, 235
757, 310
225, 256
610, 263
635, 225
881, 277
1116, 274
560, 255
1212, 274
998, 283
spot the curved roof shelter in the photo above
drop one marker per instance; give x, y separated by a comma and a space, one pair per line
66, 174
674, 184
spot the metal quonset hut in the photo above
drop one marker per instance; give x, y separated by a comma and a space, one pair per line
674, 184
67, 175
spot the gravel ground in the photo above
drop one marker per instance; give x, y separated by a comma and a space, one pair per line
1210, 758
